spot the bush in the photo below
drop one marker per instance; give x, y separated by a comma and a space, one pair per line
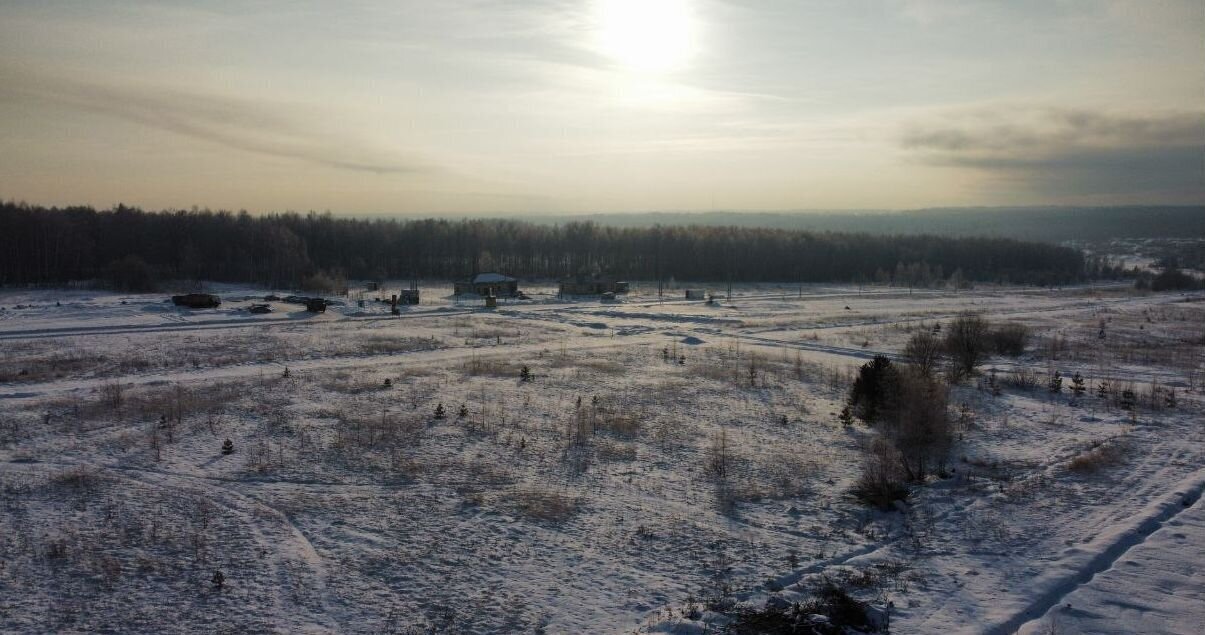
323, 282
1098, 457
778, 617
881, 481
1010, 339
918, 424
967, 344
1172, 279
923, 351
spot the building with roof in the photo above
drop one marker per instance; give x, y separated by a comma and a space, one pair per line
488, 284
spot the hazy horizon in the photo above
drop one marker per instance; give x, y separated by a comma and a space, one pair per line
602, 107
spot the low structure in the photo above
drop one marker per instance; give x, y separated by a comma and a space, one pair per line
488, 284
197, 300
696, 294
592, 286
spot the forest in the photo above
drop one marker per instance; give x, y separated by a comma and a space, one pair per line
133, 249
1043, 224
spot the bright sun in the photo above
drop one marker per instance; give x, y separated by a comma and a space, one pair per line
648, 36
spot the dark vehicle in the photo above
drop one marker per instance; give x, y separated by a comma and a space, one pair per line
197, 300
260, 308
315, 305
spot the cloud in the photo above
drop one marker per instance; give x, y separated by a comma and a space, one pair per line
241, 124
1068, 152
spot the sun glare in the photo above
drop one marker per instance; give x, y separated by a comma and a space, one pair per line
648, 36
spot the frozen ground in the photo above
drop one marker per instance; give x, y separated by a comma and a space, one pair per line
586, 499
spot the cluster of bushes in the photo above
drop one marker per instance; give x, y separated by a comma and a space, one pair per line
908, 404
829, 611
1170, 279
967, 342
908, 407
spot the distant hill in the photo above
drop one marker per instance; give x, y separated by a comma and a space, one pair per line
1048, 224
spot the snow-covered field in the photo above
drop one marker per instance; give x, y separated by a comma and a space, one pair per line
660, 455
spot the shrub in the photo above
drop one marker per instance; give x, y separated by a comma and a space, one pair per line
918, 424
323, 282
923, 351
545, 505
881, 481
1172, 279
1097, 457
966, 343
1010, 339
779, 617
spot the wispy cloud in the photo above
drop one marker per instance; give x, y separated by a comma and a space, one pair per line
1059, 151
251, 126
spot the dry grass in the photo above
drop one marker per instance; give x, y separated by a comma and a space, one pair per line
1099, 456
381, 344
544, 505
491, 366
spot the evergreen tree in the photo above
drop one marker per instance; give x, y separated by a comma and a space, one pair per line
1077, 385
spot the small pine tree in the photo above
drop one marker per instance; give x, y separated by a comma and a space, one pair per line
286, 373
1128, 399
525, 374
1077, 385
439, 411
218, 579
1103, 389
388, 383
847, 416
1056, 383
783, 420
228, 447
463, 412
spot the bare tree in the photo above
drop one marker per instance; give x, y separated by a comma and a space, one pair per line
966, 343
923, 352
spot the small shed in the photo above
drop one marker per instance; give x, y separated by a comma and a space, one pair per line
488, 284
696, 294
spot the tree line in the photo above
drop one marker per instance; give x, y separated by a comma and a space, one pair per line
133, 248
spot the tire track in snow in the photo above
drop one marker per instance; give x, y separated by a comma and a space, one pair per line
237, 503
1104, 555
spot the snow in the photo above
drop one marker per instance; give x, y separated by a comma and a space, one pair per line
578, 501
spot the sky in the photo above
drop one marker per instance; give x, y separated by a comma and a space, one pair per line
550, 106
